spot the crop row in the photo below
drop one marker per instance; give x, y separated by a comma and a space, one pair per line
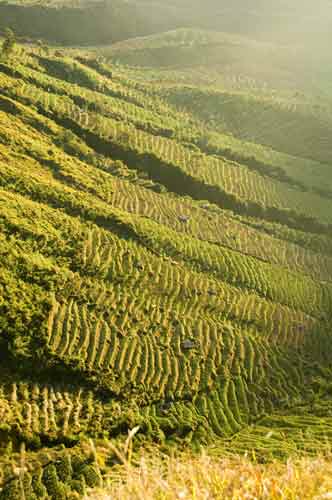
118, 101
135, 112
114, 258
233, 179
238, 398
108, 257
261, 119
170, 359
38, 410
242, 271
203, 223
237, 269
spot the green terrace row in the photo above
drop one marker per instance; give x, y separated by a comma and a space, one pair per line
249, 273
75, 329
201, 220
224, 182
123, 106
179, 125
260, 119
30, 411
60, 475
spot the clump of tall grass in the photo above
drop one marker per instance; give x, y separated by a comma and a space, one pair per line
154, 476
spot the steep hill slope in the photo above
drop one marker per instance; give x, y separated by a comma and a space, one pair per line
268, 93
155, 269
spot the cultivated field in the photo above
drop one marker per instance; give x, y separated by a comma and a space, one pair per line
165, 263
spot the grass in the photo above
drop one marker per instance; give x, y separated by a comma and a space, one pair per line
203, 477
104, 470
108, 469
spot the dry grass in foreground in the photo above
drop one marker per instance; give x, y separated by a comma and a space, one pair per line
203, 478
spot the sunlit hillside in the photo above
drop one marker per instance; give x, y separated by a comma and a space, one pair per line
165, 258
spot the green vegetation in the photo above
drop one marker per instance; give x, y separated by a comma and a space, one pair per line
186, 476
8, 44
165, 259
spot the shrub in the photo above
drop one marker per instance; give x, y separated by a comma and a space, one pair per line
64, 468
9, 43
92, 476
54, 487
37, 484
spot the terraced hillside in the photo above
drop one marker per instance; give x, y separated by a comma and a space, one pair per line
158, 268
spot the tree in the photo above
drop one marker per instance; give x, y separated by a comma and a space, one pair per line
9, 43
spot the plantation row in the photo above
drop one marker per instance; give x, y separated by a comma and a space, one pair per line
232, 179
202, 221
175, 212
133, 265
307, 174
218, 351
233, 404
130, 265
113, 99
178, 124
183, 36
178, 362
260, 119
35, 411
111, 96
262, 278
163, 312
64, 475
165, 357
282, 435
100, 250
304, 172
243, 271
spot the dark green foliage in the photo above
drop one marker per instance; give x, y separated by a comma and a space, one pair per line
78, 461
55, 488
71, 71
92, 476
78, 485
37, 484
12, 491
64, 468
22, 315
8, 44
54, 481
